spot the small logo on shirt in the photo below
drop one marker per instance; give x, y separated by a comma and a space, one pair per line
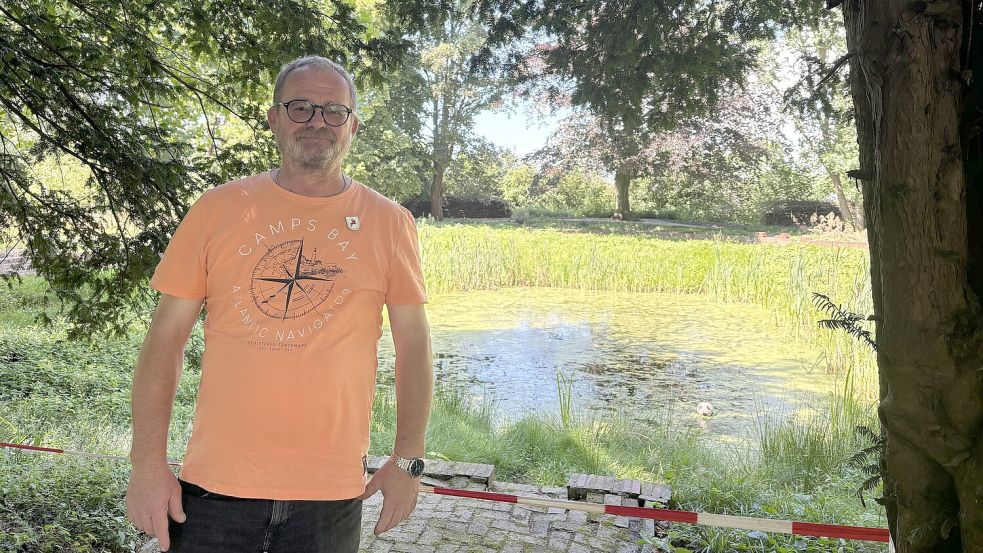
353, 222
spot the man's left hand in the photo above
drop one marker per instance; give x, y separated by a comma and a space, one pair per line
399, 492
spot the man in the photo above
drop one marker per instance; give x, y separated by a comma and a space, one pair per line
293, 267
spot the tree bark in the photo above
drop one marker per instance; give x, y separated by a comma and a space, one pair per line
858, 215
442, 155
622, 181
437, 191
909, 100
845, 210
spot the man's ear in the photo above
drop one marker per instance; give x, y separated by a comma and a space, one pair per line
271, 117
354, 124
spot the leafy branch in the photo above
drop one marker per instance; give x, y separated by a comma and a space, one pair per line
842, 319
866, 460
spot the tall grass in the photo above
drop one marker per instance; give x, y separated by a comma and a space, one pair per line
564, 391
458, 257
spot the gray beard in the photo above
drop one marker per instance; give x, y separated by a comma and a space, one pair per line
309, 160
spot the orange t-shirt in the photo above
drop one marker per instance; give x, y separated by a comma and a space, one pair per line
294, 288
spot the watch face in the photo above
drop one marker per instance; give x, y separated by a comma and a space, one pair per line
416, 467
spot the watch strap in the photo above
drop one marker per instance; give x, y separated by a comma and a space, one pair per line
405, 464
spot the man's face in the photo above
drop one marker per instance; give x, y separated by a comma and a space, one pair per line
313, 145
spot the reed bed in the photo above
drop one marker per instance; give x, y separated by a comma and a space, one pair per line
782, 279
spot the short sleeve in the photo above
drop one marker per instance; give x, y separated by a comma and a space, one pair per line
405, 285
182, 271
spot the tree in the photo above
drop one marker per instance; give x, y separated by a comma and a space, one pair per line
820, 106
442, 92
640, 67
132, 91
915, 72
382, 155
711, 163
478, 171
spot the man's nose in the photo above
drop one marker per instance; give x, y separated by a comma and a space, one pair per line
318, 120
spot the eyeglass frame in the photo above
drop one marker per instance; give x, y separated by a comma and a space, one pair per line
349, 111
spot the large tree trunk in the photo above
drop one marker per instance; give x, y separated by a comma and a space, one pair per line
909, 103
437, 191
442, 155
845, 210
622, 181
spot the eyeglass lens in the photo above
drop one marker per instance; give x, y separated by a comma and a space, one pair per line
302, 111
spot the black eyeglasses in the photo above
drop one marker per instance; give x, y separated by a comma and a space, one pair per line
302, 111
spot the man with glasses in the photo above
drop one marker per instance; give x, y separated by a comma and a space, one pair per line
293, 266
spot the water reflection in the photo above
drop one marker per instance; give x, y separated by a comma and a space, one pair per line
635, 352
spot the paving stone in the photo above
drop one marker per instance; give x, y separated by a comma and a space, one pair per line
656, 493
539, 528
600, 544
516, 489
510, 526
413, 548
496, 535
521, 515
577, 516
429, 536
479, 528
570, 526
560, 539
628, 547
547, 517
444, 505
483, 473
526, 539
459, 481
380, 547
410, 533
460, 528
580, 485
465, 515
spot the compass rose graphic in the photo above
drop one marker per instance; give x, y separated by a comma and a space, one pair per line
287, 285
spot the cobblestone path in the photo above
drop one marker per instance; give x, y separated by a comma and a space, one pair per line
446, 524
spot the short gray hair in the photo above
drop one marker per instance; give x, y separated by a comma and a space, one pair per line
313, 61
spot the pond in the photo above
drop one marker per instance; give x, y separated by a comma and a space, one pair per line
640, 353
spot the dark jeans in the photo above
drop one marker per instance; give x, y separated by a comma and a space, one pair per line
223, 524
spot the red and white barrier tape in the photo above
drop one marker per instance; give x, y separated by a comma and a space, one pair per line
671, 515
667, 515
76, 453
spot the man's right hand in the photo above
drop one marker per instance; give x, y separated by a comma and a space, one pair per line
153, 493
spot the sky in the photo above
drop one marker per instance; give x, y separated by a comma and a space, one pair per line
519, 131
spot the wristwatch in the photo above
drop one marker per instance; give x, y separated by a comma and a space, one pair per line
412, 466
